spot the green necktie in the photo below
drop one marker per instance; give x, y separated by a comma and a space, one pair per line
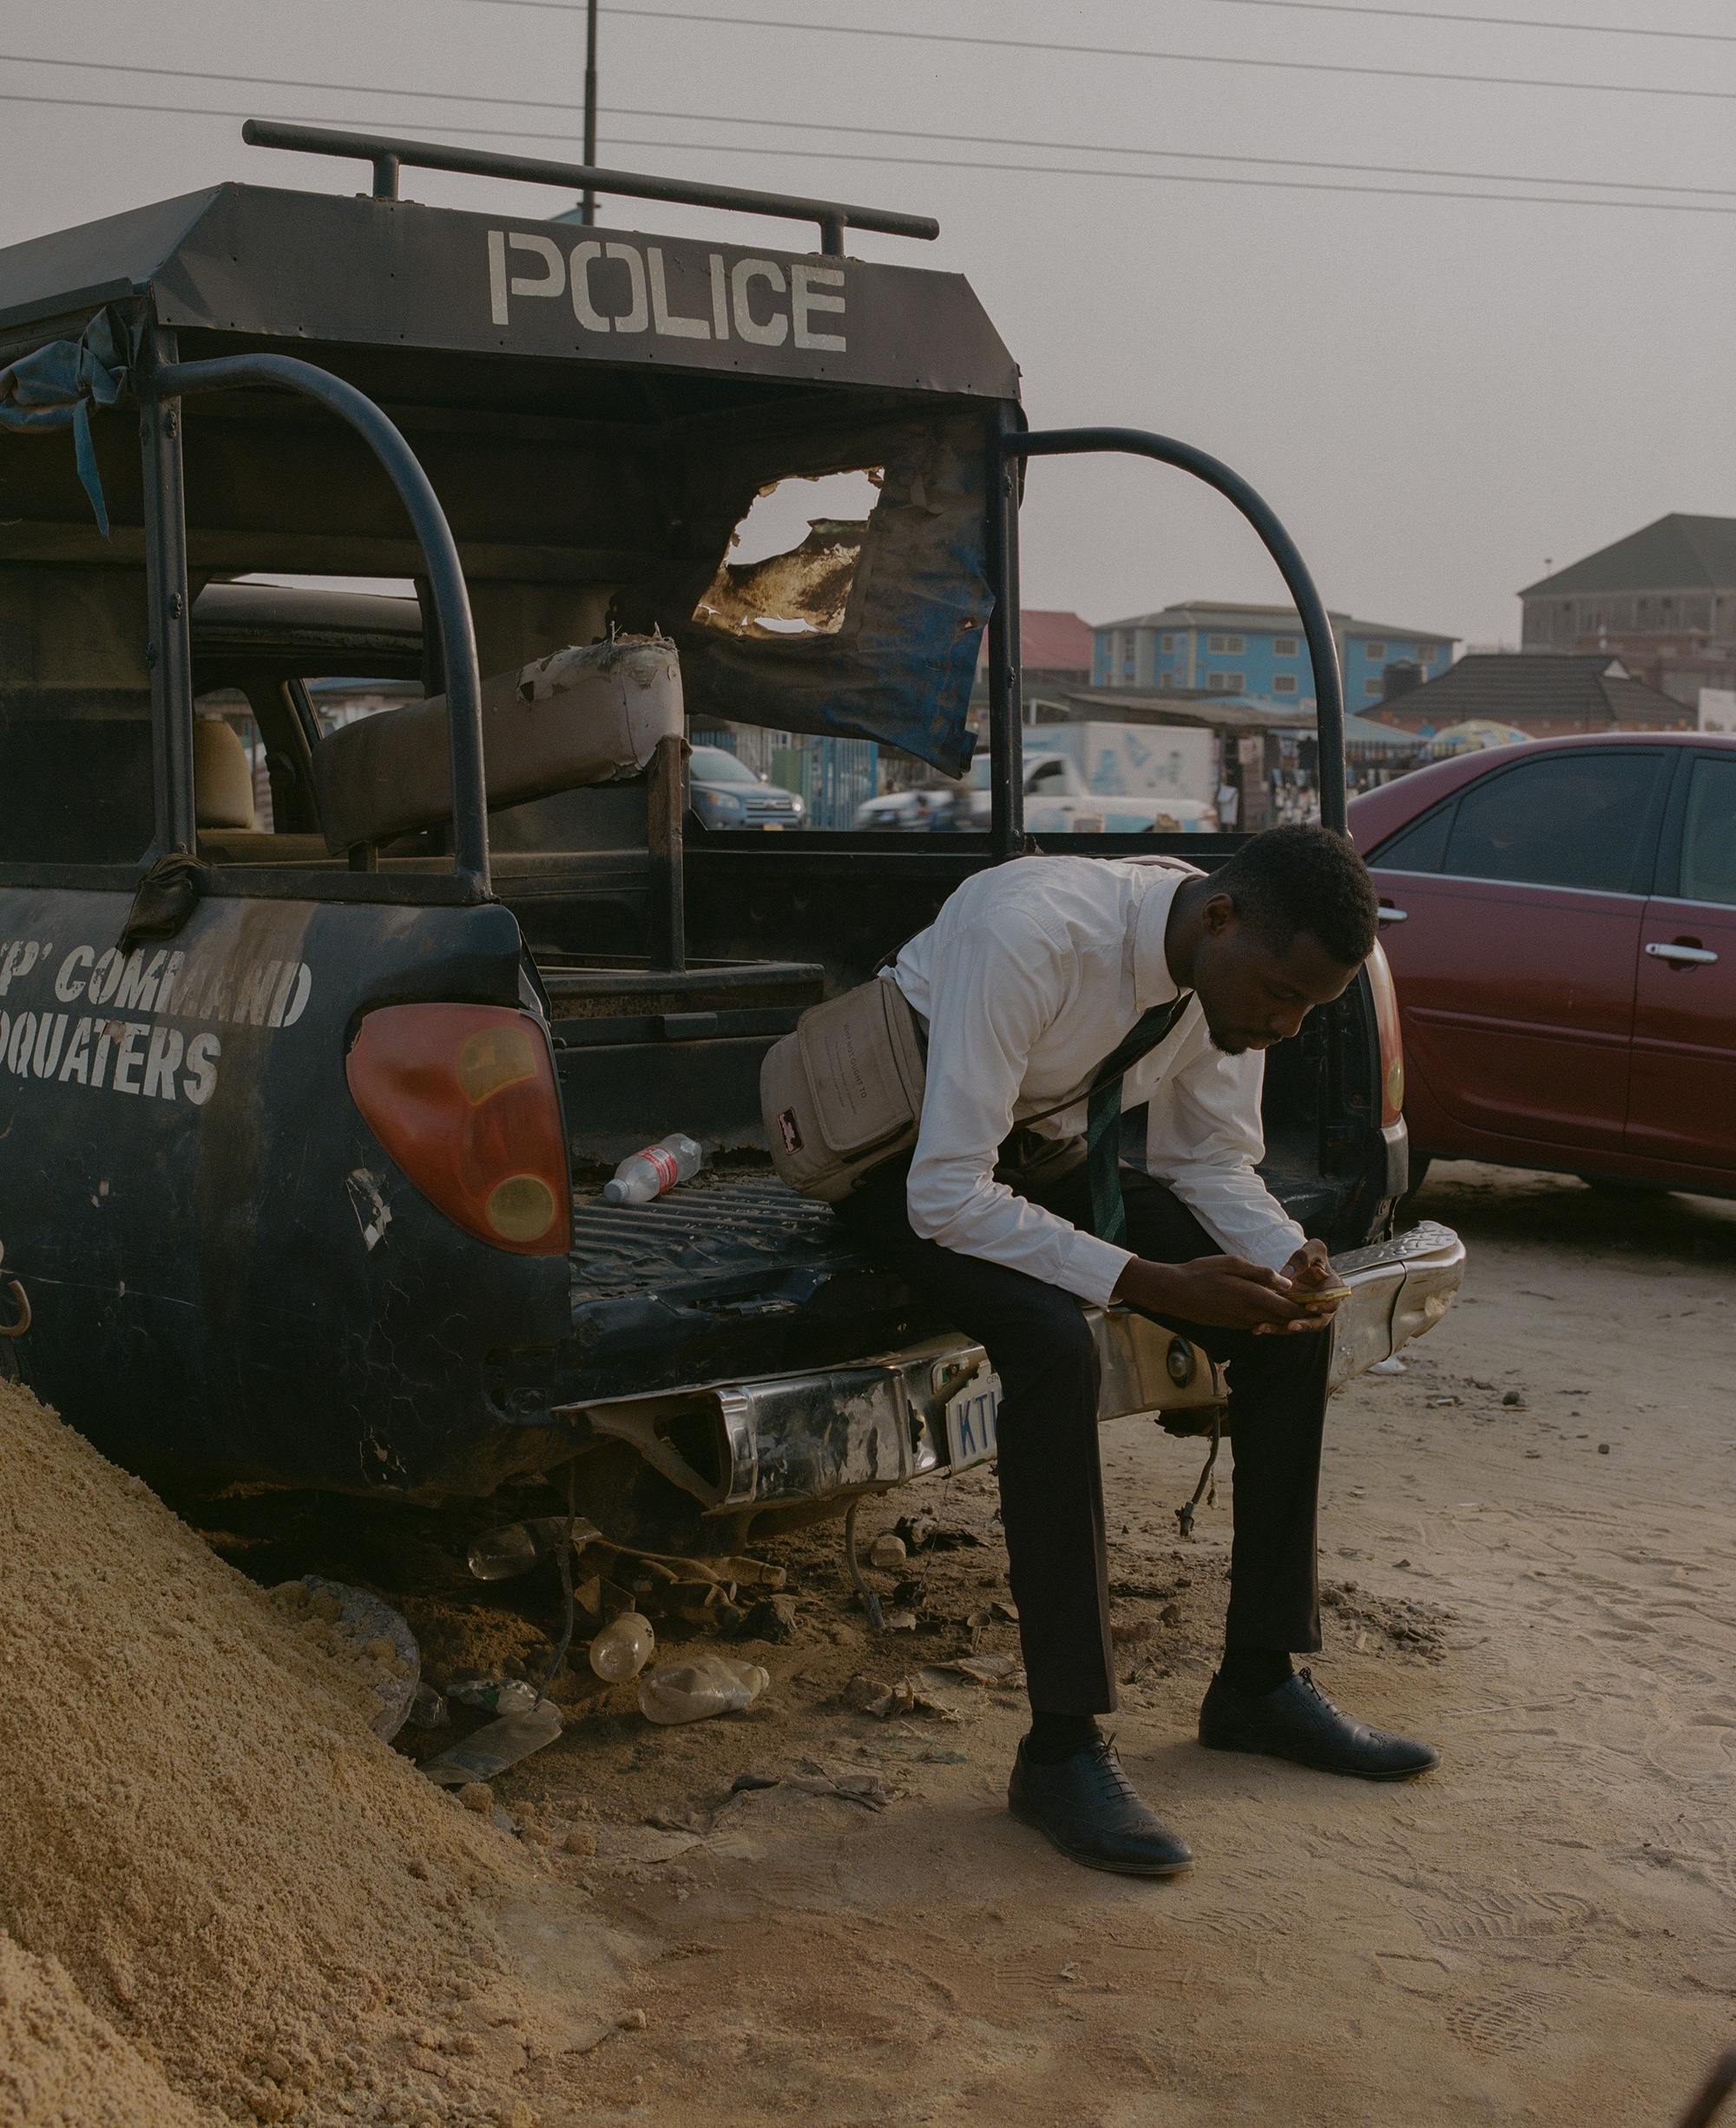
1103, 1118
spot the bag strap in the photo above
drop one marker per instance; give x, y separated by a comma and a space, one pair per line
1147, 1032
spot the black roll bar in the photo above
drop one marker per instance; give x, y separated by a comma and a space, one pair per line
446, 577
1006, 681
388, 155
1323, 652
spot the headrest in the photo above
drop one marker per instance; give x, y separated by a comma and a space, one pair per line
591, 715
222, 776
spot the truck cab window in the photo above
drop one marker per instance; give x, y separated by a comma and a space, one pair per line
75, 715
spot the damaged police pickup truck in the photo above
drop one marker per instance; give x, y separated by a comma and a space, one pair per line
308, 1078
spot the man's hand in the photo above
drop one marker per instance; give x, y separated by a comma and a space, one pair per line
1313, 1282
1224, 1291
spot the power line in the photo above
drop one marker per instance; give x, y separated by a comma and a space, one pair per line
1488, 22
1177, 154
1116, 51
938, 162
256, 80
898, 133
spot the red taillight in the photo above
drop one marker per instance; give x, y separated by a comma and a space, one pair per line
464, 1099
1392, 1042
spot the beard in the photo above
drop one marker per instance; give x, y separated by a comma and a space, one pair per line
1227, 1041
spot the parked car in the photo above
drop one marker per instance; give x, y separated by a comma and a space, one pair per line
1561, 922
928, 805
1058, 801
727, 793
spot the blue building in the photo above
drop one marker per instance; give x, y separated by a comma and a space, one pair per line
1258, 654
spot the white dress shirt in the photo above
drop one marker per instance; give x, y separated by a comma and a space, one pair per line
1031, 975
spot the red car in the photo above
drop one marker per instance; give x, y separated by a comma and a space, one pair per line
1561, 922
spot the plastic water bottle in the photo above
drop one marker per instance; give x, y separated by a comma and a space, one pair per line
623, 1647
709, 1685
658, 1167
498, 1554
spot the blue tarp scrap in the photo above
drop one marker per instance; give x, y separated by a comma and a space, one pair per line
901, 669
56, 387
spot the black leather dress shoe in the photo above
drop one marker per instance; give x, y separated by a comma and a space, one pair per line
1297, 1721
1090, 1808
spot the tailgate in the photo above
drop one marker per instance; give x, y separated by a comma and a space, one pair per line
224, 1265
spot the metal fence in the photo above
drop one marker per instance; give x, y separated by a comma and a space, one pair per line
832, 777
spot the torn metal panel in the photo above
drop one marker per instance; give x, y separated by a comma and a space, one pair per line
807, 589
899, 667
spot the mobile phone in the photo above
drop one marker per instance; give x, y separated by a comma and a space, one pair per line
1322, 1300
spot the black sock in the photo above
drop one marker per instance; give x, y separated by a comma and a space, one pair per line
1055, 1736
1254, 1671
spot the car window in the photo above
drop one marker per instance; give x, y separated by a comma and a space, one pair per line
1572, 820
1418, 848
1708, 857
1049, 776
712, 765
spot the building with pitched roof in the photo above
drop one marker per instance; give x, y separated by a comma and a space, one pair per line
1663, 600
1259, 652
1055, 650
1544, 697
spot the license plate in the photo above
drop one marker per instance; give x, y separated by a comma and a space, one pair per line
970, 1417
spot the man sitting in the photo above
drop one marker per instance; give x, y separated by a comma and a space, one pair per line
1035, 977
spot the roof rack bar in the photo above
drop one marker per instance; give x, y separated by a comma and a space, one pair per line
388, 154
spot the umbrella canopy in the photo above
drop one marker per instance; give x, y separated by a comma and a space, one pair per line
1481, 731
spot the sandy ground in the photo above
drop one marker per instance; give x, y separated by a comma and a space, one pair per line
1544, 1928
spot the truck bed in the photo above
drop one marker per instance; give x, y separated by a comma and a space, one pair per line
720, 1277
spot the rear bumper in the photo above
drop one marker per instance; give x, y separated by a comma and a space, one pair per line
837, 1431
1397, 1138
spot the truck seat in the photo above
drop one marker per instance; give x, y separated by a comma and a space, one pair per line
583, 716
222, 776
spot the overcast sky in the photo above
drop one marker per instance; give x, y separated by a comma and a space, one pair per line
1437, 394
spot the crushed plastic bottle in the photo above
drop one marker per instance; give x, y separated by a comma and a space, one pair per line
499, 1695
496, 1746
497, 1554
658, 1167
693, 1692
515, 1548
428, 1708
621, 1650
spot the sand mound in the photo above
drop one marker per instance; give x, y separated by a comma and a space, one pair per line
62, 2068
261, 1898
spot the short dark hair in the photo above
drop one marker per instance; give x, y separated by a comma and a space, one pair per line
1298, 878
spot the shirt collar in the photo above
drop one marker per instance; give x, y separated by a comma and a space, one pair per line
1153, 982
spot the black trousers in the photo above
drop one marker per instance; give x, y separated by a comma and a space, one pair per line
1051, 1479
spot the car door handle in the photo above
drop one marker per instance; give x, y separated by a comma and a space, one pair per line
1694, 956
1387, 915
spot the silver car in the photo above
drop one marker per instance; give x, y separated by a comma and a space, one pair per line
727, 793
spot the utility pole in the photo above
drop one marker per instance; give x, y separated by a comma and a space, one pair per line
587, 205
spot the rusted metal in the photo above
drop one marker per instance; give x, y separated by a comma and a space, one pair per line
1712, 2094
809, 584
